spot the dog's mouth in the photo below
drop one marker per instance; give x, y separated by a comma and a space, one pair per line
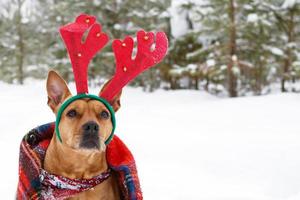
90, 141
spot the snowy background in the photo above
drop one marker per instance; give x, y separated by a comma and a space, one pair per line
190, 141
187, 145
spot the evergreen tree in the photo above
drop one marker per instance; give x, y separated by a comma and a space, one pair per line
17, 28
183, 51
256, 60
241, 45
288, 22
221, 21
284, 20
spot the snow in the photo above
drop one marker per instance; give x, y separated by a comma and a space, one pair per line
178, 21
179, 26
223, 67
289, 3
211, 62
236, 70
192, 67
187, 144
118, 27
274, 50
252, 18
177, 70
277, 51
234, 58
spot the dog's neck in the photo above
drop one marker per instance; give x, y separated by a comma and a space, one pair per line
71, 163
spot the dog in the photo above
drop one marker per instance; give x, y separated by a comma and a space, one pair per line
78, 156
84, 127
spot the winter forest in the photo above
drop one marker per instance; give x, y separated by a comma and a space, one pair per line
190, 141
225, 47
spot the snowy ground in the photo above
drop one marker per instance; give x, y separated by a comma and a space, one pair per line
188, 145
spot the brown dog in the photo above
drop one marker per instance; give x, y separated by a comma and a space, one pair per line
79, 156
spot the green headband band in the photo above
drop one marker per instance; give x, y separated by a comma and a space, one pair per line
82, 96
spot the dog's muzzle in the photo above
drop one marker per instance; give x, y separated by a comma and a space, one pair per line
90, 136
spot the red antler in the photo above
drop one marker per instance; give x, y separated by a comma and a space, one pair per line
127, 68
81, 52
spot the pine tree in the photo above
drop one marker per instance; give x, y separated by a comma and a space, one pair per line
220, 21
17, 28
288, 19
285, 18
52, 15
256, 59
183, 51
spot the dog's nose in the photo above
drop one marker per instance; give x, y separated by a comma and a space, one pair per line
90, 137
90, 127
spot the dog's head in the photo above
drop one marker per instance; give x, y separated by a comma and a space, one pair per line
85, 123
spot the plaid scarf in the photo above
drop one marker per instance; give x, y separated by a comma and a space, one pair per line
58, 187
32, 152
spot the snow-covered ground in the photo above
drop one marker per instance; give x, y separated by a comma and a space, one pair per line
188, 145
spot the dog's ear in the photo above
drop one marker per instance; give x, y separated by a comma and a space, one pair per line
57, 90
115, 102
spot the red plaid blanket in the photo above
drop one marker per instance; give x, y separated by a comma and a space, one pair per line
32, 152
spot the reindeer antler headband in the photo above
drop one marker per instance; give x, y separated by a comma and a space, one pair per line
127, 69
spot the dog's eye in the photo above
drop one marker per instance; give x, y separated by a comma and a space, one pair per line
104, 114
72, 113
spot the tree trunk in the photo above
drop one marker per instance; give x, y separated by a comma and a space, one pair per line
259, 73
197, 83
258, 79
189, 21
152, 80
206, 87
288, 59
20, 44
232, 80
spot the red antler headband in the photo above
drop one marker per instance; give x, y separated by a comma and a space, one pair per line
81, 53
127, 68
